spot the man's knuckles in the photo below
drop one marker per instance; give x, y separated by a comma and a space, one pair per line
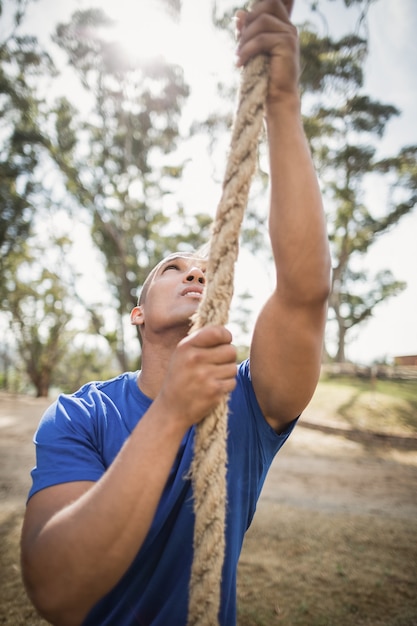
209, 336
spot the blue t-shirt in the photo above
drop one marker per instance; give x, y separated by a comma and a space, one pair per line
78, 438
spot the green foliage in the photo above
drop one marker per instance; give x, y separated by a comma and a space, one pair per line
119, 160
40, 304
343, 126
81, 364
328, 64
31, 293
22, 61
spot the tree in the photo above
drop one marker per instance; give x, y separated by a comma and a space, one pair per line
41, 303
22, 61
119, 158
343, 126
84, 360
343, 130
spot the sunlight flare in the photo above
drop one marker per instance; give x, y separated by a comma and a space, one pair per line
146, 34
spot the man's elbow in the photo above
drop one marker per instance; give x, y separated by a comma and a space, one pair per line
324, 288
48, 602
306, 282
319, 285
320, 279
311, 292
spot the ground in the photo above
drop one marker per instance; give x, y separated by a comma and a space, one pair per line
334, 541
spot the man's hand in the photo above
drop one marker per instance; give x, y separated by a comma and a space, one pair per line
267, 29
201, 371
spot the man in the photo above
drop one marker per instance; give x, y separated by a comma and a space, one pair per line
107, 536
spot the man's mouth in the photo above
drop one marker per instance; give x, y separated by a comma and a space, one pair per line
192, 293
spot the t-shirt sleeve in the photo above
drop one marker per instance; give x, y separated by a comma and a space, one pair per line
269, 440
66, 444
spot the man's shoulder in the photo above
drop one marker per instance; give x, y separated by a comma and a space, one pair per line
126, 379
91, 401
118, 391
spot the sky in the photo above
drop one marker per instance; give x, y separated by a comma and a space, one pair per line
390, 76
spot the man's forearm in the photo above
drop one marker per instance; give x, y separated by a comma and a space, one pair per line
297, 223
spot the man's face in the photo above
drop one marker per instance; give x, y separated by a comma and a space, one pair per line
173, 292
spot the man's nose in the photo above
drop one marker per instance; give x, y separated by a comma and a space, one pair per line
196, 274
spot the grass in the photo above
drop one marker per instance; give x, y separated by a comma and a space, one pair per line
373, 405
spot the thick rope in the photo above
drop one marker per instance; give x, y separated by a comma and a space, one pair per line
208, 470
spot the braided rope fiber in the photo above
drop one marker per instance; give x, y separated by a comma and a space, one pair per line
208, 470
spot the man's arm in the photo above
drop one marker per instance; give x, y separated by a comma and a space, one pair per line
288, 337
79, 538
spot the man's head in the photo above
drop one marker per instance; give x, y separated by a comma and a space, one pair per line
198, 254
177, 283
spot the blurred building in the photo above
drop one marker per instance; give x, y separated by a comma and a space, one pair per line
409, 360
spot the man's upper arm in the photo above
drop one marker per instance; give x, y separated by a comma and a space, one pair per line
286, 354
44, 504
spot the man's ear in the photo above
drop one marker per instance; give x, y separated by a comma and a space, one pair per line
137, 316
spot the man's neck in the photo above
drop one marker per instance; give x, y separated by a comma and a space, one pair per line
156, 356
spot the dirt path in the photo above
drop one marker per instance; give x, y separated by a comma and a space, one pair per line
330, 473
19, 416
315, 470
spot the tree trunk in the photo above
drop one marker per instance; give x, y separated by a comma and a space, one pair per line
42, 383
340, 354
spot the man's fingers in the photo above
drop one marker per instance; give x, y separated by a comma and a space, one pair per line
262, 29
209, 337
